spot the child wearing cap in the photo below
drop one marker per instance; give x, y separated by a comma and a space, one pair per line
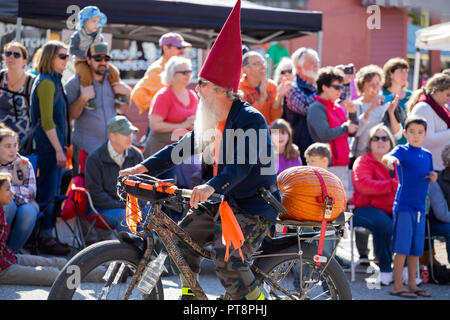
89, 27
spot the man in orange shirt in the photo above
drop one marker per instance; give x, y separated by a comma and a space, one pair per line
172, 44
259, 91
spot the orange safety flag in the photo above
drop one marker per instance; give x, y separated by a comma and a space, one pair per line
231, 231
133, 214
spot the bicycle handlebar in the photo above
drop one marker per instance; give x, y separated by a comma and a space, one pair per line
187, 193
163, 184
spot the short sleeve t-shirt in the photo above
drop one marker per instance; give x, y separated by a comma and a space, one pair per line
170, 108
415, 166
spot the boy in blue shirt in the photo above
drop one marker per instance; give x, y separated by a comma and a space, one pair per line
415, 170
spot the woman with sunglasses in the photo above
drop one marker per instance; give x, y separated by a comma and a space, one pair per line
327, 122
173, 107
15, 88
373, 197
52, 136
283, 77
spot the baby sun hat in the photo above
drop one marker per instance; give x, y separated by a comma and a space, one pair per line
90, 12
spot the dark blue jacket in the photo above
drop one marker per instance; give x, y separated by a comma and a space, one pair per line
248, 160
60, 114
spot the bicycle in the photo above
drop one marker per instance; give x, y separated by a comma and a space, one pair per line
277, 265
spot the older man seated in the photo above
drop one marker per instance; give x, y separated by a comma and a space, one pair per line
103, 166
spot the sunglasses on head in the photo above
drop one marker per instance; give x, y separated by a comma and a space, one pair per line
102, 58
201, 83
377, 138
16, 55
184, 72
63, 56
337, 86
286, 71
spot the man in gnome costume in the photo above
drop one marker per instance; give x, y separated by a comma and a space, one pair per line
237, 157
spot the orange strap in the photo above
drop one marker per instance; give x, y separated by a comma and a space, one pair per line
231, 231
133, 214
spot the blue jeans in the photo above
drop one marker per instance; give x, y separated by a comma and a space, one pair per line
48, 185
381, 226
438, 228
116, 218
21, 220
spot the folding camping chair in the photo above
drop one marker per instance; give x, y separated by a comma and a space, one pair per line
77, 205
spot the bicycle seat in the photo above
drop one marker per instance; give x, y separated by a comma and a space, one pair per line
342, 218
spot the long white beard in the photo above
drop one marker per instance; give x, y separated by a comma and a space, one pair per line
205, 126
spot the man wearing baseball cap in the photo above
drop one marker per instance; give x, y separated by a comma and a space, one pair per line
103, 166
89, 129
222, 111
171, 44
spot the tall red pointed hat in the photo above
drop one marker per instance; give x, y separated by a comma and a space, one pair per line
223, 63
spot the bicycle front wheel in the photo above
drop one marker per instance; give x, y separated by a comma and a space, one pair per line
318, 283
87, 276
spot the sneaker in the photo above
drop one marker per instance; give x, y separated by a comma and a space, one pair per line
90, 105
187, 294
54, 247
120, 99
405, 277
385, 278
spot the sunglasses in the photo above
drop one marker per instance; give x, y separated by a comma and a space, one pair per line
63, 56
102, 58
201, 83
286, 71
377, 138
16, 55
337, 86
184, 72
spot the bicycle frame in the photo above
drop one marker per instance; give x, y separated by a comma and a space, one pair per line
165, 227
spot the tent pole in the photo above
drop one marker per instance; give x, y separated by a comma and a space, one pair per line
319, 44
416, 70
18, 28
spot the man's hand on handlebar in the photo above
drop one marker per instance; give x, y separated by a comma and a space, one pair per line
137, 169
200, 193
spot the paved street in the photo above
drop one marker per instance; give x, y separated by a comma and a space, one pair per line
362, 289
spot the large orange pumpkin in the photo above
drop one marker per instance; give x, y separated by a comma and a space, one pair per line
300, 190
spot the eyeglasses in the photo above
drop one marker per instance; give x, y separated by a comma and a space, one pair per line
377, 138
184, 72
202, 83
63, 56
256, 64
102, 58
16, 55
337, 86
286, 71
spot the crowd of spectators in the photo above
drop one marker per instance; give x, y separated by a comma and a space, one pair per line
356, 116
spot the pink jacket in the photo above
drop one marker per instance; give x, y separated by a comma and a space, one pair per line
373, 185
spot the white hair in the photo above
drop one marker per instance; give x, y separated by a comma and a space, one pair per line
282, 65
171, 66
298, 57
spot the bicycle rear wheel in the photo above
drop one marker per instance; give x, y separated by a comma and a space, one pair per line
84, 276
318, 283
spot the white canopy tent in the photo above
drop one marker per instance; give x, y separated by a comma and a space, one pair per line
436, 37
